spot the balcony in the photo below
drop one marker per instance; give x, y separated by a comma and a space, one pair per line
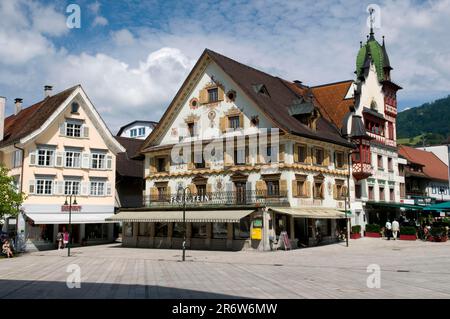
248, 198
361, 170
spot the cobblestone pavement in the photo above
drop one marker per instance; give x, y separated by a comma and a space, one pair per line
408, 270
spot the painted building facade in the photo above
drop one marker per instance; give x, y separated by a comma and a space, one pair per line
54, 148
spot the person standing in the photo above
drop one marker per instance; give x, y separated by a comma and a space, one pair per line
388, 227
395, 229
65, 238
59, 239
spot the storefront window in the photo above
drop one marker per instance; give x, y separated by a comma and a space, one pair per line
41, 233
96, 231
144, 229
128, 229
161, 229
324, 226
220, 230
242, 229
199, 230
178, 230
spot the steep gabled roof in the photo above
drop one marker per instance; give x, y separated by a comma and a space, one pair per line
33, 117
281, 94
433, 167
332, 99
128, 164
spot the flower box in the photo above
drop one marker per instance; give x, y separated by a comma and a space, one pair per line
373, 235
408, 237
355, 236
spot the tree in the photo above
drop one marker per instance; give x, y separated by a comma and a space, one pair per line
10, 197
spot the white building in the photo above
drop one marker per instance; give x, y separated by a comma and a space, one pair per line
137, 129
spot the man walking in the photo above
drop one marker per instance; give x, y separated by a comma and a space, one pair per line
395, 229
388, 227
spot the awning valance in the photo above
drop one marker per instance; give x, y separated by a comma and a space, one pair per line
63, 218
200, 216
311, 212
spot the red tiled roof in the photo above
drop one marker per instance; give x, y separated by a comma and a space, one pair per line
33, 117
433, 167
332, 99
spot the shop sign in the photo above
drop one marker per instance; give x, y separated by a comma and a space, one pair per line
257, 233
66, 208
257, 223
191, 199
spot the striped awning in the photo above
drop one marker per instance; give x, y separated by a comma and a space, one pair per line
63, 218
203, 216
311, 212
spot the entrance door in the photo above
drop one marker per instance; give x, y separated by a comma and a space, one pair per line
301, 231
240, 193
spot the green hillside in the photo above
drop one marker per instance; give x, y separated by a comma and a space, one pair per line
426, 124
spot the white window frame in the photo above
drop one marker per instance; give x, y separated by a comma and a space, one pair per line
141, 131
133, 132
94, 188
74, 127
71, 155
49, 155
99, 159
45, 183
69, 187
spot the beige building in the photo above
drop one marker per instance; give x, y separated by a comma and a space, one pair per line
56, 147
247, 189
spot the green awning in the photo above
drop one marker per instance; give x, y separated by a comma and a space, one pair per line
439, 207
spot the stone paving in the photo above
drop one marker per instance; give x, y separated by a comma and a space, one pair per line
408, 270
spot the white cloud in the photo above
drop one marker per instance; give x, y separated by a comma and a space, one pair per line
123, 37
100, 21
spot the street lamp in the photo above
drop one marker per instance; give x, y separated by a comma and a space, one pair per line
184, 218
70, 218
347, 196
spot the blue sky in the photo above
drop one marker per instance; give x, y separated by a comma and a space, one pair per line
134, 55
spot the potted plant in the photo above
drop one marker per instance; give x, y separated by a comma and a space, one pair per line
438, 234
356, 232
373, 230
408, 233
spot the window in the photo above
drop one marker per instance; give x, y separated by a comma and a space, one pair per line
358, 191
74, 107
191, 129
45, 157
319, 156
141, 131
380, 162
391, 195
161, 229
239, 156
17, 158
390, 166
340, 191
73, 129
381, 190
178, 230
161, 164
242, 229
44, 186
273, 188
98, 161
302, 153
73, 159
318, 190
201, 189
301, 188
199, 230
339, 159
234, 122
97, 188
162, 190
71, 187
143, 229
220, 230
371, 194
133, 132
213, 95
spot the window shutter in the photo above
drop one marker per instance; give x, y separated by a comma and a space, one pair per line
309, 155
209, 189
32, 156
223, 124
193, 189
153, 193
108, 189
108, 162
283, 187
203, 98
85, 163
294, 188
241, 120
326, 160
152, 165
321, 191
282, 155
85, 188
59, 159
85, 131
167, 165
261, 188
59, 187
344, 191
295, 153
308, 189
32, 187
345, 161
62, 129
335, 193
220, 93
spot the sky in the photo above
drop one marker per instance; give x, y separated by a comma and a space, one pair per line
132, 56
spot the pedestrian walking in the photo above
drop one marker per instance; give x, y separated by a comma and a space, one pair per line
59, 239
395, 229
65, 238
388, 227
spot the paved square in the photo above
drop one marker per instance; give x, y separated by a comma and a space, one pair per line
408, 270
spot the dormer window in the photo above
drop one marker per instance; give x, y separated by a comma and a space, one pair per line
213, 95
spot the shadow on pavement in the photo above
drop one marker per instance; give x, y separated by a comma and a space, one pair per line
23, 289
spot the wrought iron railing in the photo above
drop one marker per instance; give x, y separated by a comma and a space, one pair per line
226, 198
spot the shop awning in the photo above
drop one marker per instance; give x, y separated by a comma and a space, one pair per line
395, 205
198, 216
439, 207
63, 218
311, 212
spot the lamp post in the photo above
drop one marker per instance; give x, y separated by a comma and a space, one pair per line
347, 196
70, 218
184, 219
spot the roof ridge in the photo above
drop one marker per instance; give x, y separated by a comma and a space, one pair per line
330, 84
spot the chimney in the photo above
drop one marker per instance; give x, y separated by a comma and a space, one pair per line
18, 103
2, 117
48, 90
